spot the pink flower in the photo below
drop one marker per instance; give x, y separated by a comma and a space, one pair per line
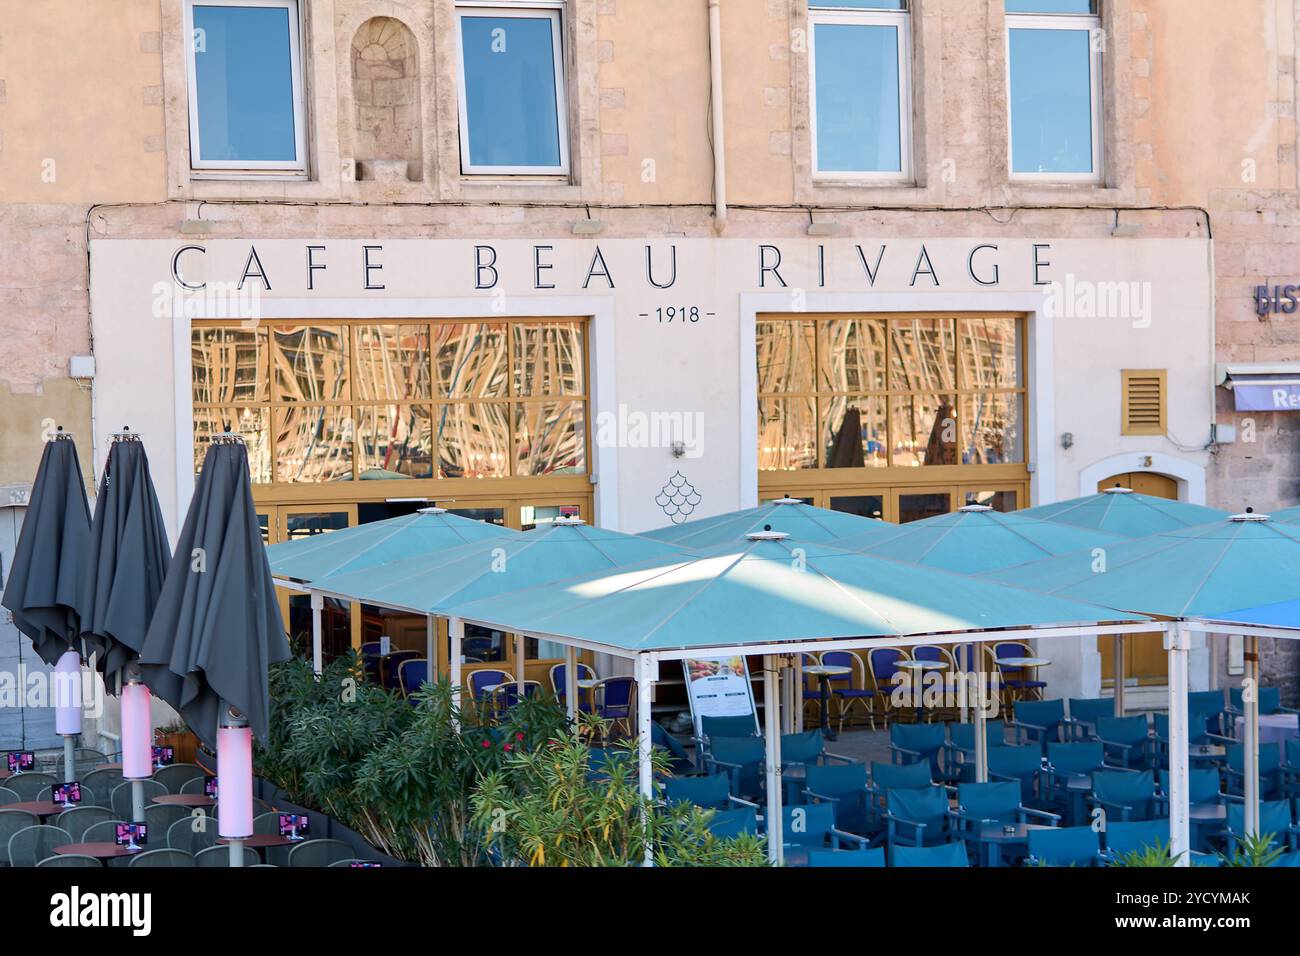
509, 747
487, 743
519, 736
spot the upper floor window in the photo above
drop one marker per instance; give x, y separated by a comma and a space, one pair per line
512, 101
1054, 78
860, 95
245, 85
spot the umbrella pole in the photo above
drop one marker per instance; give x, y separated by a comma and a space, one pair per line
317, 655
456, 632
521, 655
798, 693
644, 669
571, 682
69, 758
1250, 763
1178, 642
981, 728
430, 629
771, 725
1117, 668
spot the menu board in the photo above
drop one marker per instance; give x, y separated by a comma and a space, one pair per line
719, 687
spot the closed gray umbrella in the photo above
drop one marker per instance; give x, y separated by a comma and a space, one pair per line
45, 584
217, 626
126, 561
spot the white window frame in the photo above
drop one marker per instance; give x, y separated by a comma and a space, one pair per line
552, 10
1090, 22
901, 20
299, 165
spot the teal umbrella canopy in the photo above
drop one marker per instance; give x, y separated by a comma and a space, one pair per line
802, 522
976, 538
425, 532
767, 588
432, 582
1238, 562
1287, 515
1283, 614
1125, 513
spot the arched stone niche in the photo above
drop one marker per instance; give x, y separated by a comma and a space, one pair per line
386, 93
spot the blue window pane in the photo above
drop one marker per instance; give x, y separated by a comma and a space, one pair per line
1051, 101
857, 98
510, 97
244, 79
1051, 6
859, 4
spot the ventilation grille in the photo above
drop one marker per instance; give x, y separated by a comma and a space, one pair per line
1144, 402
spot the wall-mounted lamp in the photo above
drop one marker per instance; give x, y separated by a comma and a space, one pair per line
678, 449
1067, 440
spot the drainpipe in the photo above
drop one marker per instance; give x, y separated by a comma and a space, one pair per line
715, 102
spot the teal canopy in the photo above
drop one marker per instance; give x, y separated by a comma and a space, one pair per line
1287, 515
976, 538
753, 592
1125, 513
427, 531
430, 583
1283, 614
1238, 562
802, 522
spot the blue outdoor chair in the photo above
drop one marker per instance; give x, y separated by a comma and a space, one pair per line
725, 824
679, 760
980, 804
882, 664
393, 666
1023, 765
1124, 837
1064, 846
1125, 796
845, 787
849, 692
909, 743
1202, 786
1209, 705
1288, 859
478, 683
1270, 770
1124, 740
713, 792
959, 750
615, 700
807, 749
1039, 721
412, 673
813, 826
1275, 817
1270, 702
942, 855
711, 727
1084, 713
742, 759
893, 776
858, 858
559, 686
918, 817
1291, 768
1063, 762
1018, 682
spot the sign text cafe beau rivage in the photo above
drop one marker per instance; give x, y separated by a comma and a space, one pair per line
452, 267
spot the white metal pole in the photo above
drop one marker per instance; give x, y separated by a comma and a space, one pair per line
1118, 669
981, 728
571, 681
430, 661
69, 758
317, 653
645, 672
771, 725
786, 674
137, 801
520, 661
1250, 741
1178, 642
456, 631
798, 693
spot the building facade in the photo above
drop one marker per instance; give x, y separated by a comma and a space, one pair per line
643, 262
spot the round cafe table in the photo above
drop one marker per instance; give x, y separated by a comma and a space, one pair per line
824, 673
1273, 728
100, 851
39, 808
4, 773
185, 800
996, 837
1204, 817
918, 668
260, 841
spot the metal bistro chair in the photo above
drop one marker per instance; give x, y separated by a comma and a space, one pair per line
11, 822
174, 776
87, 796
8, 796
1020, 682
412, 675
947, 677
320, 853
219, 856
393, 667
103, 782
193, 835
559, 684
29, 846
882, 665
849, 692
121, 800
68, 859
28, 786
164, 857
77, 820
478, 683
811, 689
615, 701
